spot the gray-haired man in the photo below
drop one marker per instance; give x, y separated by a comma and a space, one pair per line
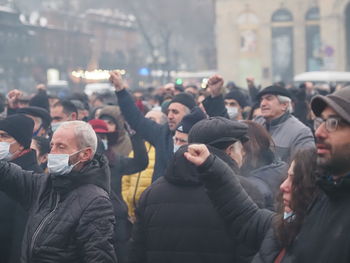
288, 133
70, 214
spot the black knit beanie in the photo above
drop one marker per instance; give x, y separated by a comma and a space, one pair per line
19, 127
238, 96
184, 99
191, 119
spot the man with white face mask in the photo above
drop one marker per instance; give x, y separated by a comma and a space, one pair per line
235, 103
15, 139
71, 216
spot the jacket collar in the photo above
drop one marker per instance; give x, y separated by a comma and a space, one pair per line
95, 172
277, 121
27, 161
335, 188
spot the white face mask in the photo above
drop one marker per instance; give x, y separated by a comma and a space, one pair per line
176, 147
289, 216
59, 163
232, 112
54, 126
5, 151
105, 144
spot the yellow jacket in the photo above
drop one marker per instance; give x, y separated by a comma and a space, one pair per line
134, 185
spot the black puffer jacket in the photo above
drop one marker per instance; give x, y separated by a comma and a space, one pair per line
70, 217
27, 162
176, 221
323, 237
249, 186
12, 217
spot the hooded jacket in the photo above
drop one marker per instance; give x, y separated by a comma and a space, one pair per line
122, 143
323, 237
176, 221
70, 216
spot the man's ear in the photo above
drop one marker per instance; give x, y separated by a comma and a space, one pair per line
87, 155
21, 148
43, 159
285, 105
229, 150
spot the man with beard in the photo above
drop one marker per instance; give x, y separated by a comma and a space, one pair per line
323, 235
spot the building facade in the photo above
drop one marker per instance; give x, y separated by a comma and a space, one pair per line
274, 40
32, 44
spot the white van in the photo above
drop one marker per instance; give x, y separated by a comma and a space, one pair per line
334, 77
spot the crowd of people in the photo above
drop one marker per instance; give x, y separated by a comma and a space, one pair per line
176, 174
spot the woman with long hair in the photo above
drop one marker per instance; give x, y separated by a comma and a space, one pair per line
272, 234
260, 164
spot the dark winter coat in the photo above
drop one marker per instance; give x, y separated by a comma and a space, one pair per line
176, 221
12, 217
250, 187
156, 134
215, 106
268, 179
27, 162
324, 234
70, 217
257, 190
121, 166
160, 136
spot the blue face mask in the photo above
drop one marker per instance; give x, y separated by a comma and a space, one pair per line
37, 131
59, 163
289, 216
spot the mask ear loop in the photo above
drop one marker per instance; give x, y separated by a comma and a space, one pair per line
38, 130
74, 154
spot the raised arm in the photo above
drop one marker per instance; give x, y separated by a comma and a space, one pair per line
214, 104
138, 163
246, 221
147, 129
18, 184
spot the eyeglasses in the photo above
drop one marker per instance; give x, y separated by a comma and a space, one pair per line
331, 123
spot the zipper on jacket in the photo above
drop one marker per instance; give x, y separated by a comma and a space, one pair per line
42, 224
